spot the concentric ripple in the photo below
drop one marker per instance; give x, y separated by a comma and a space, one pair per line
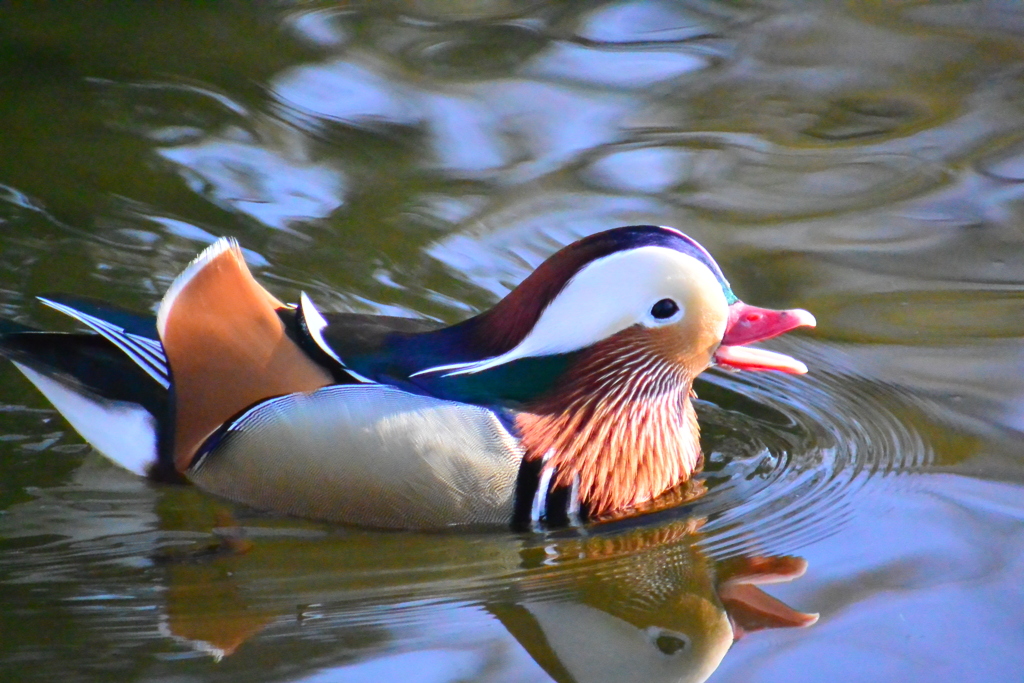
787, 455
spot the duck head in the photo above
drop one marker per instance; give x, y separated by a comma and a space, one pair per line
598, 349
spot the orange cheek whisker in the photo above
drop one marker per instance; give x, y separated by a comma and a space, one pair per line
622, 423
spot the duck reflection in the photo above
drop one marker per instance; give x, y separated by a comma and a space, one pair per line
654, 609
636, 605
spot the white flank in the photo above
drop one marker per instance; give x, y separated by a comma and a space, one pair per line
315, 324
605, 297
198, 263
124, 432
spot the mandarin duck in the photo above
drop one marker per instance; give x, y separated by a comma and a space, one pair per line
569, 400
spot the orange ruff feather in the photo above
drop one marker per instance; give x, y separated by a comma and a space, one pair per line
227, 349
623, 423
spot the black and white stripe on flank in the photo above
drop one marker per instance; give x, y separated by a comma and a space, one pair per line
147, 353
539, 508
573, 511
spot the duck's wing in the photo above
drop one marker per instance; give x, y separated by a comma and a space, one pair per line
367, 454
357, 346
413, 354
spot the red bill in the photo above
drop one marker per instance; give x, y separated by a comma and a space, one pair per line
750, 324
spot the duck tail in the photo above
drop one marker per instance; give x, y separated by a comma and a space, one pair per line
111, 386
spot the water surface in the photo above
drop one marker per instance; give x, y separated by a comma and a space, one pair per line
862, 160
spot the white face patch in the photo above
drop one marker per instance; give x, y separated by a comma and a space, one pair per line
610, 295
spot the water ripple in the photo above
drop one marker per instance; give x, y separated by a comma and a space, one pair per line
787, 455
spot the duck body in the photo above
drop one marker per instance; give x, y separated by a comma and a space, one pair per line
568, 400
371, 454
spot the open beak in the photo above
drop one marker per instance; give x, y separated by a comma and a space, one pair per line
750, 324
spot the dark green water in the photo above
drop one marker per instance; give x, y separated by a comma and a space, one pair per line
863, 160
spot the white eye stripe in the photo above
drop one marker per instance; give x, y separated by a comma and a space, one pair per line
605, 297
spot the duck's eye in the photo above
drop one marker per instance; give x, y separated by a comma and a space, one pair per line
669, 644
666, 308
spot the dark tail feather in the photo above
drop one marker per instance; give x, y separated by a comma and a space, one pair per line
88, 361
11, 327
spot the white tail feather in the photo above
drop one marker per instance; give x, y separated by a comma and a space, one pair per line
124, 432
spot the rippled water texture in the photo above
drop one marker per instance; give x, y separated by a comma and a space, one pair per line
863, 160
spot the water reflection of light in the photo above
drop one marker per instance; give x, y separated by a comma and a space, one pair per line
102, 507
464, 134
552, 123
909, 597
321, 27
424, 666
462, 643
634, 605
258, 181
648, 170
530, 126
644, 21
341, 90
508, 242
194, 233
615, 68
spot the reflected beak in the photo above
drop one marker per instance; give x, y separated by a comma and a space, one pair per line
750, 324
